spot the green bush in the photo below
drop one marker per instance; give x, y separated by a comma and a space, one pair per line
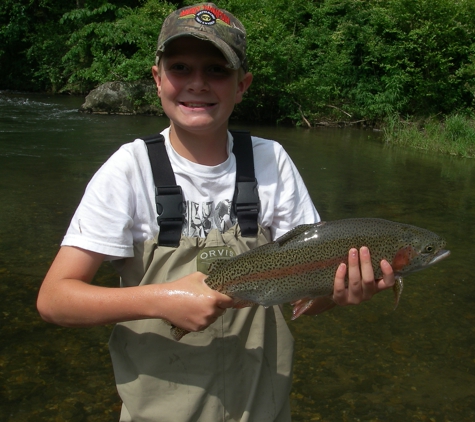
32, 26
454, 134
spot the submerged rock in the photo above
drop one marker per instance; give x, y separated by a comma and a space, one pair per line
123, 98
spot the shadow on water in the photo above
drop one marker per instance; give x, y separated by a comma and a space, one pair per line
366, 363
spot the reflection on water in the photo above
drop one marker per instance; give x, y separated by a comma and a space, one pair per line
365, 363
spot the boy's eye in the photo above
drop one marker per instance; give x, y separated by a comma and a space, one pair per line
213, 70
178, 67
218, 70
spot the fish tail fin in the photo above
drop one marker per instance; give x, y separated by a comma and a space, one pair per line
397, 289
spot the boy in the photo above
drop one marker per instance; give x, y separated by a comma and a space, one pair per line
239, 367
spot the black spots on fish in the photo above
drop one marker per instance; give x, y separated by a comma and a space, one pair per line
217, 264
303, 262
385, 240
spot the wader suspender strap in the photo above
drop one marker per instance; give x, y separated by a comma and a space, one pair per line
246, 204
169, 196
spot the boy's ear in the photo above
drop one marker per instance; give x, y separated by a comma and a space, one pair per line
157, 78
243, 86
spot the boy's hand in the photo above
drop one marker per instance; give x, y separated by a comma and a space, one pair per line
361, 283
191, 304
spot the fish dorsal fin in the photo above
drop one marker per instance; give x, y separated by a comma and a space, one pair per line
292, 234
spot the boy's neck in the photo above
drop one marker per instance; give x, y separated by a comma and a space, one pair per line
209, 149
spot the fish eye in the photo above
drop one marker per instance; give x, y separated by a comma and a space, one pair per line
429, 249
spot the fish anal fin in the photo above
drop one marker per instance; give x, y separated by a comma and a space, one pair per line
301, 306
397, 289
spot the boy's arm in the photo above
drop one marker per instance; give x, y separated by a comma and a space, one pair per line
68, 298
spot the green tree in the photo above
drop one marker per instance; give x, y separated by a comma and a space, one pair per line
311, 60
24, 24
373, 58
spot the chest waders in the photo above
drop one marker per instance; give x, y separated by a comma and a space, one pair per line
240, 367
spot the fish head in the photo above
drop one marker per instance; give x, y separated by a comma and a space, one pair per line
418, 249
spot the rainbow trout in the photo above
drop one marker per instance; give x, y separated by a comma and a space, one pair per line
301, 265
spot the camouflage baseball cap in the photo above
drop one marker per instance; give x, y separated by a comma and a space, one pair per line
207, 22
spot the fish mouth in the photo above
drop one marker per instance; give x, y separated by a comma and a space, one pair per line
439, 256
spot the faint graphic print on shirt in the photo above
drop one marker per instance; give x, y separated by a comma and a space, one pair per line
200, 218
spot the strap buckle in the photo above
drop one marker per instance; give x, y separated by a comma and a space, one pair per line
169, 200
247, 198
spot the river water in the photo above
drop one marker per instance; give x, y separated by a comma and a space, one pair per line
364, 363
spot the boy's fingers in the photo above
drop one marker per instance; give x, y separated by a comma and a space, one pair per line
367, 274
361, 283
355, 288
388, 279
339, 288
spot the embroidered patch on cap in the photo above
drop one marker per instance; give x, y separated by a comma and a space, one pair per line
206, 15
207, 22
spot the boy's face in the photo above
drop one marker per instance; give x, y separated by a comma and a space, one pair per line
198, 92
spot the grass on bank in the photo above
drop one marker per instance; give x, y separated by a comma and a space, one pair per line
455, 135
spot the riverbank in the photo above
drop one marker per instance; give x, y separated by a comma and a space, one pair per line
454, 135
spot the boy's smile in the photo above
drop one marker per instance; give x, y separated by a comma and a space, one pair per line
197, 105
197, 90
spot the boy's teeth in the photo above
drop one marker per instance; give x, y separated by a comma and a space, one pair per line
196, 104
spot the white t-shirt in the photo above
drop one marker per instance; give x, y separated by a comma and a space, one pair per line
118, 207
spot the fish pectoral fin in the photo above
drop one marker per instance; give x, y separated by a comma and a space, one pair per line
300, 307
397, 289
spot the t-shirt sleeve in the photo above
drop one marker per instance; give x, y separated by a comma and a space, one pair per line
105, 217
285, 200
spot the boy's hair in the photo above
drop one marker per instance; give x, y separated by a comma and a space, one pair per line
207, 22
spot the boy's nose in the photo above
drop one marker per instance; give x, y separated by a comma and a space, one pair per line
198, 81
